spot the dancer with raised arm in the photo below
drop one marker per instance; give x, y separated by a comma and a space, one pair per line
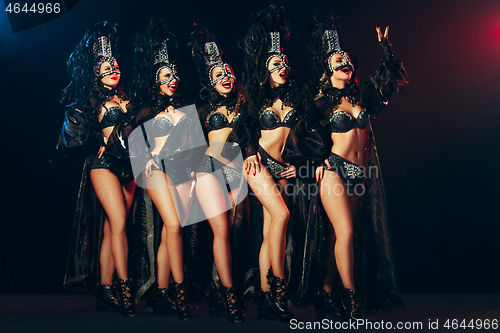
351, 188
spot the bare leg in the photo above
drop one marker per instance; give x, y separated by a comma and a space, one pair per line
338, 208
162, 261
109, 191
264, 254
182, 201
105, 258
159, 190
330, 259
276, 216
213, 200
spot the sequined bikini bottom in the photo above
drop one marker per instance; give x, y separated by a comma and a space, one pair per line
274, 167
351, 173
232, 176
177, 173
120, 167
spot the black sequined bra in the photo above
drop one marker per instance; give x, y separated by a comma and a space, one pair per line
269, 120
217, 120
162, 126
111, 117
341, 121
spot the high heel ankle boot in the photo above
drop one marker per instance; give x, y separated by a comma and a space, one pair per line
182, 305
331, 304
106, 298
231, 304
127, 307
162, 303
351, 304
275, 303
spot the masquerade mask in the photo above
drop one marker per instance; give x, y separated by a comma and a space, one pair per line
102, 54
212, 60
331, 47
275, 51
161, 56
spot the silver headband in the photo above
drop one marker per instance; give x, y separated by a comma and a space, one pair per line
161, 56
102, 53
331, 46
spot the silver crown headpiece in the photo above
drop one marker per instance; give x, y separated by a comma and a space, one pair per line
102, 53
331, 46
213, 59
161, 56
275, 51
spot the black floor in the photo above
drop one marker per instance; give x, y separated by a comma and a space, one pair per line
74, 313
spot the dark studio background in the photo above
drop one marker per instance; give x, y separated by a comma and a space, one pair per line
437, 139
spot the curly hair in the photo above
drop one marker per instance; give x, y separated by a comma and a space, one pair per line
143, 88
80, 66
320, 71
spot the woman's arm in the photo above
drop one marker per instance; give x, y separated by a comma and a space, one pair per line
389, 77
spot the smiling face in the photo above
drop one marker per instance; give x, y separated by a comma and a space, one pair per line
169, 87
110, 81
225, 83
277, 77
342, 74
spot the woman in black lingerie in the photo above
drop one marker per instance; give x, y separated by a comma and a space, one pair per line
275, 103
219, 185
350, 183
168, 179
95, 107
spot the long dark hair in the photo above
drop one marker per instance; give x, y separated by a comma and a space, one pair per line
143, 88
80, 64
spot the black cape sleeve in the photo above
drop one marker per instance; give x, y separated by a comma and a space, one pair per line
77, 133
309, 139
245, 135
389, 77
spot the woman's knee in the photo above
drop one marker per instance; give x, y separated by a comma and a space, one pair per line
221, 233
280, 215
344, 236
117, 230
172, 229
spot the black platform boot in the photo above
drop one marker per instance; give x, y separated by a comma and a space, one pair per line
106, 298
127, 307
265, 305
329, 304
351, 304
162, 303
231, 304
182, 305
275, 304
